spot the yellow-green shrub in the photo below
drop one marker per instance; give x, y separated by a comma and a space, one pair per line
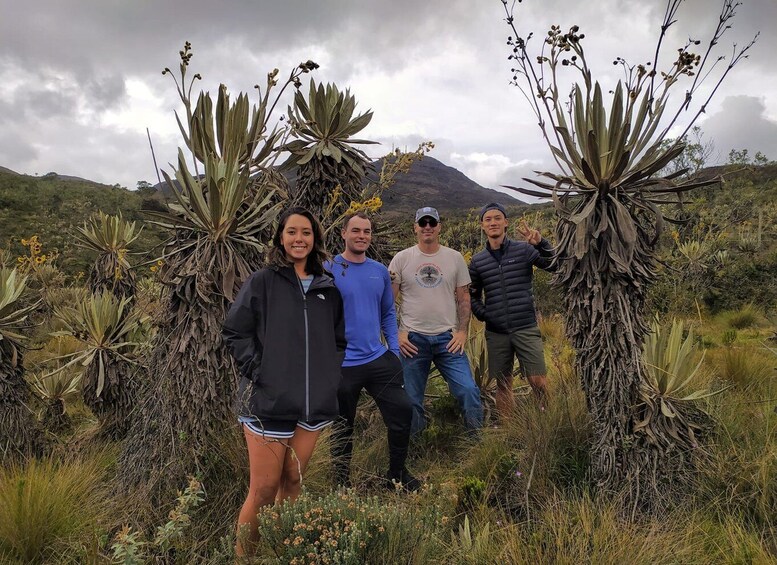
46, 503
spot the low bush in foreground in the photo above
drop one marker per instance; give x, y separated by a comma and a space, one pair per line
345, 528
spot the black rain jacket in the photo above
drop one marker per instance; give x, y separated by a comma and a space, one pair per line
288, 344
509, 300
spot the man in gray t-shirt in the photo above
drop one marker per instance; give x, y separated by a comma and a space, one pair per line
433, 283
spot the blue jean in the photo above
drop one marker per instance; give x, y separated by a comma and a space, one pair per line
454, 368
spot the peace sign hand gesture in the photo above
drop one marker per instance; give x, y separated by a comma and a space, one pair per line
532, 236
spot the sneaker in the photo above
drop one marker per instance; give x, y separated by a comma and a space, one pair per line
403, 480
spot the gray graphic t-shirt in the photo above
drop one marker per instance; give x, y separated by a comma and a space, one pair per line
427, 286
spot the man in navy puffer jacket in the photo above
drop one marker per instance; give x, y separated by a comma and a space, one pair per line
503, 271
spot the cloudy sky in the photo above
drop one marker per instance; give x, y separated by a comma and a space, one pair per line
80, 81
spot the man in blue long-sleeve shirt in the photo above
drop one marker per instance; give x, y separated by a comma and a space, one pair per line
368, 302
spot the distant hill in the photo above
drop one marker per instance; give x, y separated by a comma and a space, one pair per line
432, 183
68, 177
429, 183
8, 171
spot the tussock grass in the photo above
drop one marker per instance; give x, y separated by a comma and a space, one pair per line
746, 317
747, 368
727, 540
740, 476
552, 328
583, 529
46, 504
534, 454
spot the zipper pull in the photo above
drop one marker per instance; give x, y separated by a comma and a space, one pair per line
304, 295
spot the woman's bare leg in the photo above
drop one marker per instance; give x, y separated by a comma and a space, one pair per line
301, 447
266, 457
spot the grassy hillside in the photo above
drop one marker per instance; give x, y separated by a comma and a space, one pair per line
49, 206
521, 494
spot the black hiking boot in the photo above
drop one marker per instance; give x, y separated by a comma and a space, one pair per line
404, 481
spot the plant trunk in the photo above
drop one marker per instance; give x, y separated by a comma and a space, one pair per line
605, 327
108, 274
19, 433
55, 419
116, 400
637, 451
186, 407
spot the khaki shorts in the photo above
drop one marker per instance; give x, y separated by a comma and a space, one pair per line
526, 344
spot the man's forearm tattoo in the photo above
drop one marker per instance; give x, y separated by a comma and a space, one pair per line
463, 309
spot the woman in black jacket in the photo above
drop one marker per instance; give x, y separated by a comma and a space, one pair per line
286, 332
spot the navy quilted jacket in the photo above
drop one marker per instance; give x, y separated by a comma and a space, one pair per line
508, 304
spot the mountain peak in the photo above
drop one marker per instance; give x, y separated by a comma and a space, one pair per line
431, 182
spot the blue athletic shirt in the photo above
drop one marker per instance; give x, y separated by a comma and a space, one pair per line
368, 303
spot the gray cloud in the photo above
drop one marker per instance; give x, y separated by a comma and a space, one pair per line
92, 34
35, 104
742, 123
105, 92
700, 17
14, 150
89, 70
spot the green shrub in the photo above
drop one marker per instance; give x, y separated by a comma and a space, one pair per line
506, 467
444, 430
472, 492
547, 297
46, 503
129, 547
745, 280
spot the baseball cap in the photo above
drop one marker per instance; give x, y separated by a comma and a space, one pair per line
427, 211
492, 206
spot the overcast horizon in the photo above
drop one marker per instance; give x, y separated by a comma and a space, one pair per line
81, 81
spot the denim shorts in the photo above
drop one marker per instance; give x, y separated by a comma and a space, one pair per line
280, 429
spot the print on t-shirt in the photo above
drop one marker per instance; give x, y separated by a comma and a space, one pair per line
428, 275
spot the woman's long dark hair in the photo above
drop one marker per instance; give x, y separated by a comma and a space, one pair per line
315, 260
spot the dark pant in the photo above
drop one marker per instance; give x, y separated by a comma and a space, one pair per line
383, 380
